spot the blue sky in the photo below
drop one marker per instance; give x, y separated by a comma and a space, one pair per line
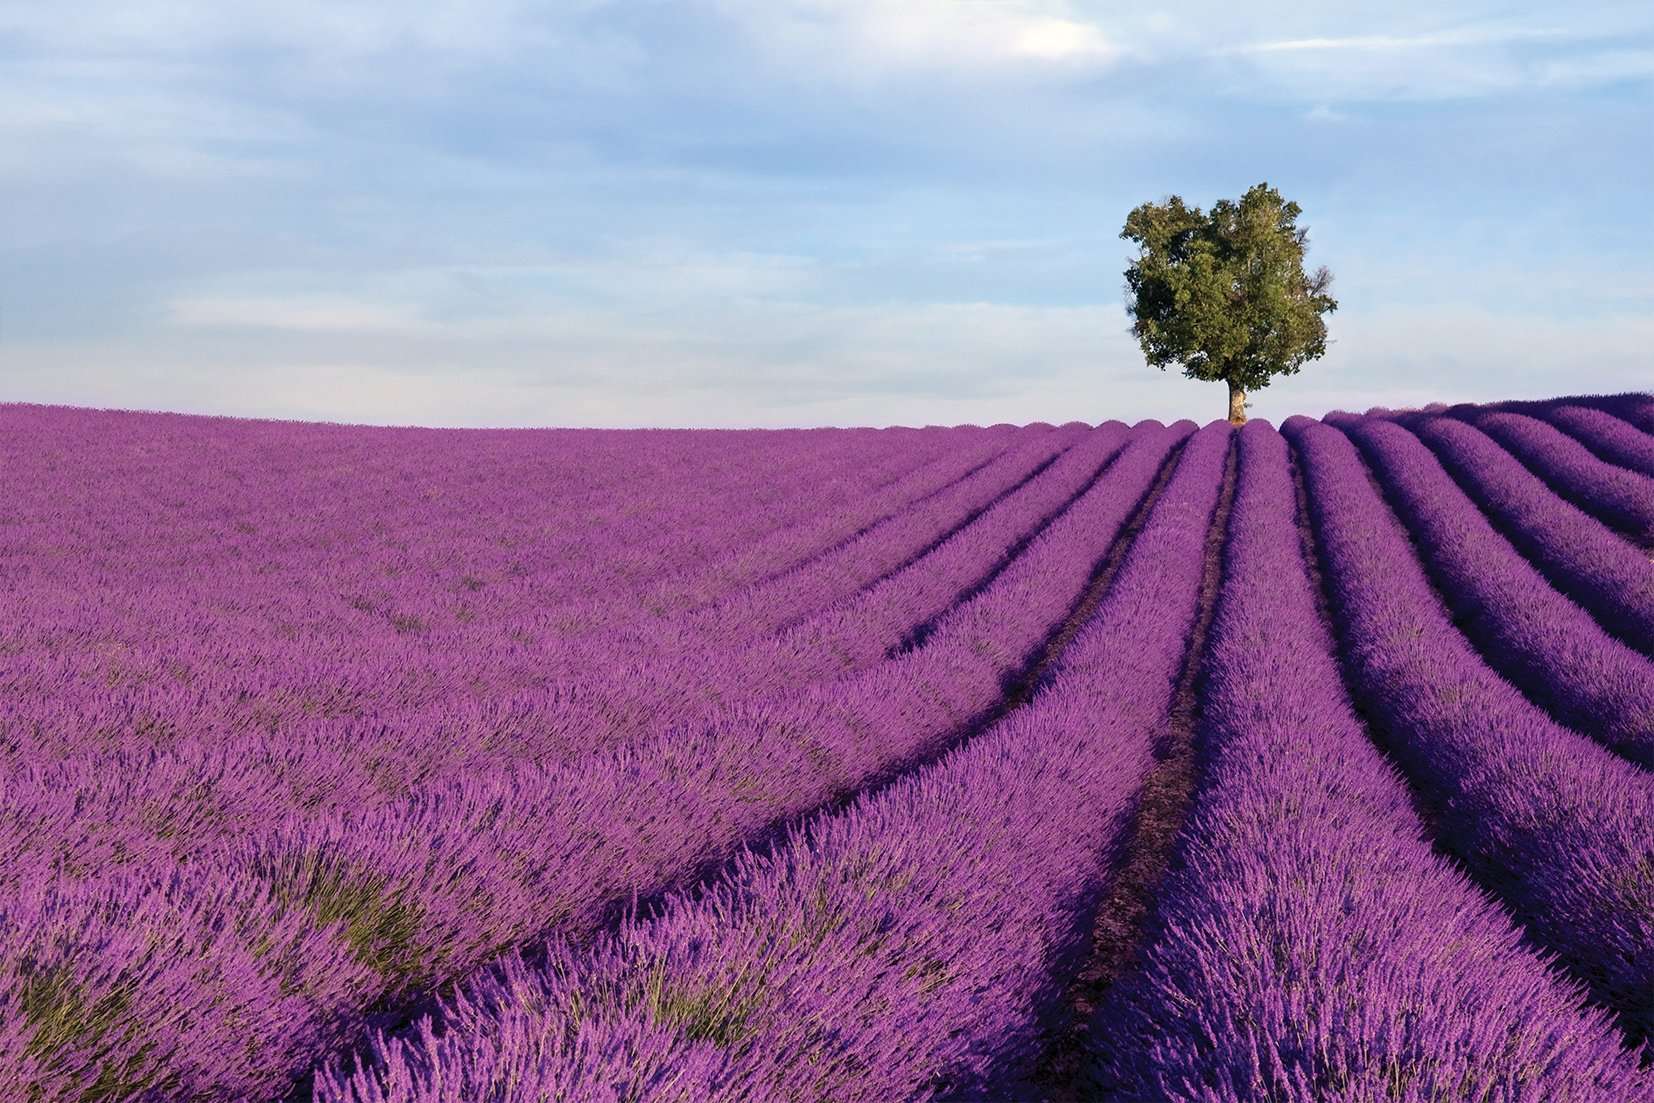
797, 212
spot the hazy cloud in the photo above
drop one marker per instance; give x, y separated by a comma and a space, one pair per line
925, 35
1385, 43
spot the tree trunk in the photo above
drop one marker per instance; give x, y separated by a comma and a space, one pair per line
1237, 405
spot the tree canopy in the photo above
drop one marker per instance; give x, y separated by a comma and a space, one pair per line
1224, 294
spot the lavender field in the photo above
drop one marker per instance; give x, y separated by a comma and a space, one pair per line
1150, 762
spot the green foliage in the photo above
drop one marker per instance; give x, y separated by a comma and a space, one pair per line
713, 1011
1225, 295
68, 1020
381, 924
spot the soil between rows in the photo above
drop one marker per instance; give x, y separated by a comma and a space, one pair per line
1120, 922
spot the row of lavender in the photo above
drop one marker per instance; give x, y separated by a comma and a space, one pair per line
317, 918
391, 562
341, 911
1569, 1054
189, 725
898, 602
494, 694
856, 963
129, 783
1308, 945
1528, 631
914, 944
1549, 820
1594, 451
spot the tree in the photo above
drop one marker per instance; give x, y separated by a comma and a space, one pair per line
1225, 295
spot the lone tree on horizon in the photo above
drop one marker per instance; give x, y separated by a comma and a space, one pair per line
1225, 294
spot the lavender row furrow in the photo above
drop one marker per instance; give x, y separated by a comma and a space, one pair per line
1580, 556
860, 630
1610, 438
362, 552
412, 552
1554, 824
700, 555
428, 887
641, 676
902, 949
852, 632
825, 485
549, 679
825, 481
1308, 944
1537, 639
1629, 407
1636, 409
1622, 499
816, 532
888, 547
643, 700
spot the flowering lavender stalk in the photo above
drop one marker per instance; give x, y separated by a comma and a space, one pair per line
1621, 499
1550, 822
1536, 638
1583, 558
1307, 943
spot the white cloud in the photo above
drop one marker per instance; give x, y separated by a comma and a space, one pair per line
650, 277
661, 272
159, 85
172, 27
1321, 113
1474, 59
305, 315
880, 37
1060, 40
1429, 40
1599, 67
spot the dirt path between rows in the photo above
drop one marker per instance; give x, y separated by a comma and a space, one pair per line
1121, 920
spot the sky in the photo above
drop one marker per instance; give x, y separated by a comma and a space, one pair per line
798, 212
